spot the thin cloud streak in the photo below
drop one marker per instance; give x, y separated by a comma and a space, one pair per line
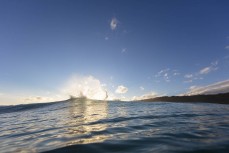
210, 68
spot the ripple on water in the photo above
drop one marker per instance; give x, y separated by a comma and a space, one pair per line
88, 126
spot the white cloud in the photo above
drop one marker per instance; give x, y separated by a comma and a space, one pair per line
106, 38
142, 88
121, 89
146, 96
87, 86
113, 23
219, 87
226, 47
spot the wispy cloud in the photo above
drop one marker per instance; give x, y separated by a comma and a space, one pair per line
210, 68
166, 74
160, 73
176, 73
205, 70
188, 76
199, 75
219, 87
227, 47
113, 23
123, 50
142, 88
163, 74
121, 89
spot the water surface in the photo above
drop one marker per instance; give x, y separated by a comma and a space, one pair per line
100, 126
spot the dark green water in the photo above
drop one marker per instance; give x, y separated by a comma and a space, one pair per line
99, 126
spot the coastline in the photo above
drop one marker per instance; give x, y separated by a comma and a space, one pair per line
222, 98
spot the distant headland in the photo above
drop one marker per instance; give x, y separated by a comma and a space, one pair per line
222, 98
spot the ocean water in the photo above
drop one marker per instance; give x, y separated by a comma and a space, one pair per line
87, 126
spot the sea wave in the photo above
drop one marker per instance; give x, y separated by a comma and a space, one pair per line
82, 125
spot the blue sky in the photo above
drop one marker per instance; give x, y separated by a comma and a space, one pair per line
160, 47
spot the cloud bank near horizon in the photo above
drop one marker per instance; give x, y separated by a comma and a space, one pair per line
145, 96
93, 88
215, 88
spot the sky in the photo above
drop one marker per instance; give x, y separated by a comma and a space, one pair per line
112, 49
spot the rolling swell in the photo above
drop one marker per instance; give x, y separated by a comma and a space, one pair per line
24, 107
89, 126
